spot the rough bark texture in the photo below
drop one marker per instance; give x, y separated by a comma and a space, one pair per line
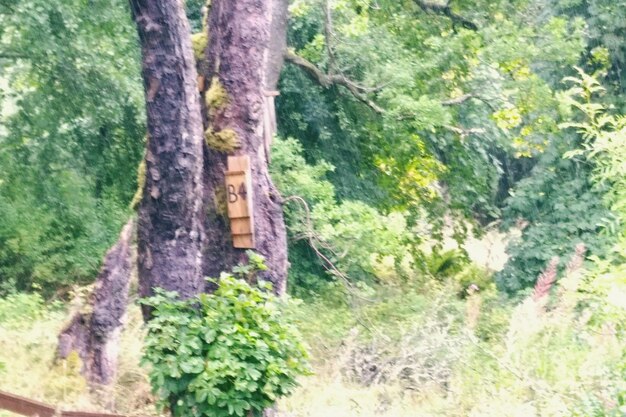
94, 335
238, 58
170, 230
277, 43
184, 184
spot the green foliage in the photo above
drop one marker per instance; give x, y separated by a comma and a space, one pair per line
20, 308
576, 191
605, 29
423, 63
56, 237
561, 208
603, 143
443, 264
364, 243
71, 134
294, 176
222, 354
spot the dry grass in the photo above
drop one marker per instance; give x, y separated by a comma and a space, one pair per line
27, 352
424, 356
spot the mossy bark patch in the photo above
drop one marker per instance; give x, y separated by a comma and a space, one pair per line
216, 97
225, 140
199, 42
219, 201
141, 184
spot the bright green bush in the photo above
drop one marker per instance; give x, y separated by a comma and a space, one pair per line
365, 244
20, 308
222, 354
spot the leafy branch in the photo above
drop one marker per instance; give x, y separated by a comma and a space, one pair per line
327, 80
446, 10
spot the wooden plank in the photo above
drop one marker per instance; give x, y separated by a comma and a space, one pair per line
239, 194
31, 408
25, 406
239, 163
267, 128
244, 241
273, 123
240, 226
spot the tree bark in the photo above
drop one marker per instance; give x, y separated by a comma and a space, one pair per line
170, 229
184, 192
240, 62
277, 43
95, 335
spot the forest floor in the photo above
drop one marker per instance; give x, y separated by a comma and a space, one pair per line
411, 352
426, 348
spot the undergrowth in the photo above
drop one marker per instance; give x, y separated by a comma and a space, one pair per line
391, 352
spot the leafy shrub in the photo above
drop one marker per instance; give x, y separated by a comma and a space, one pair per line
222, 354
473, 275
562, 208
294, 176
362, 239
20, 308
362, 242
446, 263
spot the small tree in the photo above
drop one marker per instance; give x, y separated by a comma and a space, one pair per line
223, 354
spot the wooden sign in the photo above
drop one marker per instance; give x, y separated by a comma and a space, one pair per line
240, 202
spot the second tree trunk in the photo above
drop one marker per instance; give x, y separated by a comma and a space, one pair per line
237, 65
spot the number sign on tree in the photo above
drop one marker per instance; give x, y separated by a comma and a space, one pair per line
239, 197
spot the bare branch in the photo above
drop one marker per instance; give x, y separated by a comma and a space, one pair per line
326, 80
446, 10
465, 97
332, 76
457, 100
464, 132
315, 240
328, 33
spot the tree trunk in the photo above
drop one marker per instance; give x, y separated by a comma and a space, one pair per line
184, 190
170, 229
95, 335
277, 43
238, 66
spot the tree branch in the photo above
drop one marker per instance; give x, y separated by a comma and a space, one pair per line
12, 55
328, 33
446, 10
326, 80
464, 132
457, 100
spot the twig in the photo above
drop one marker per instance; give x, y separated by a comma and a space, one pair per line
326, 80
312, 237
